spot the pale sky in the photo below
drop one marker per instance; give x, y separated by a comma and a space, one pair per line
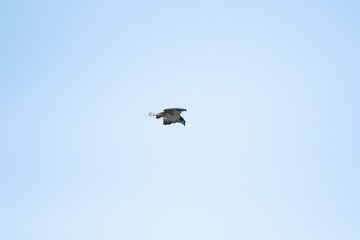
271, 145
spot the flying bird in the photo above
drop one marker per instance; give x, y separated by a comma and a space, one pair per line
170, 115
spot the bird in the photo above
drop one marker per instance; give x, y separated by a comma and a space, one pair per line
170, 116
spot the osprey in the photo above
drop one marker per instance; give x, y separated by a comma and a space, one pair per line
170, 115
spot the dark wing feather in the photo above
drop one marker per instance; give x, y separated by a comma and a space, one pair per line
169, 110
167, 122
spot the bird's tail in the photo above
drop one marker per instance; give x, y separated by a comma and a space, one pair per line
158, 115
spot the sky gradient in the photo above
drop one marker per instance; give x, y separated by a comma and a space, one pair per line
271, 145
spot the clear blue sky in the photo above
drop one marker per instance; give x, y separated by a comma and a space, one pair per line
271, 146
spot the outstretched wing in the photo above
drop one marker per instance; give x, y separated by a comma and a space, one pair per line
172, 110
171, 114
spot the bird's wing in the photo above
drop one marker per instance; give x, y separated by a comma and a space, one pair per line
172, 110
171, 114
167, 121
